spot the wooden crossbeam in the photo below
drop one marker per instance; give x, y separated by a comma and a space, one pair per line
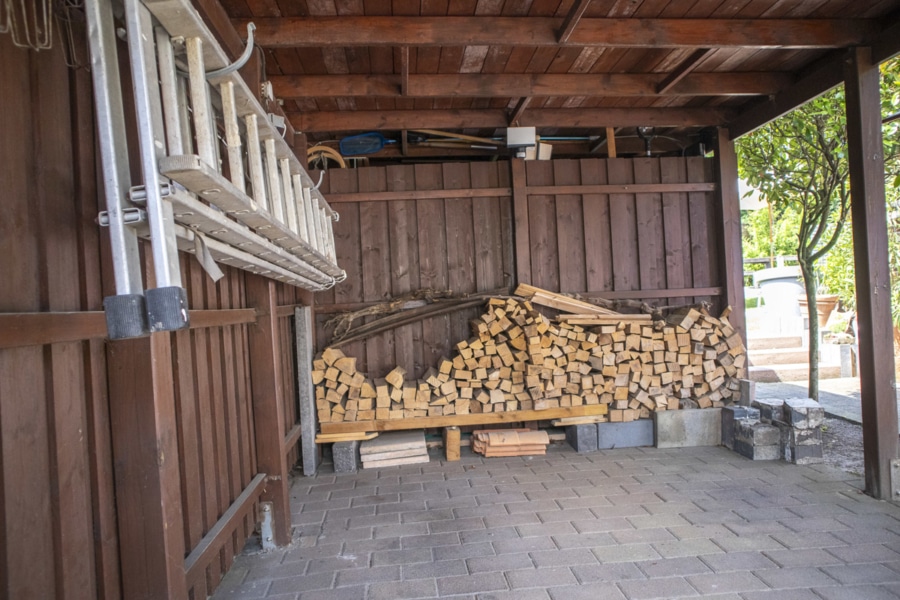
572, 19
311, 122
285, 32
519, 110
533, 85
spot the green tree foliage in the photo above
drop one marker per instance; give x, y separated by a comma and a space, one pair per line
799, 165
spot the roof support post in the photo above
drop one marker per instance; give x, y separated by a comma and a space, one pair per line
870, 249
267, 394
729, 225
148, 480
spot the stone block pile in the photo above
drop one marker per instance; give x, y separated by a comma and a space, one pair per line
773, 429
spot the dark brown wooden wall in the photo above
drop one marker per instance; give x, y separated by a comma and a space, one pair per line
586, 239
76, 450
641, 228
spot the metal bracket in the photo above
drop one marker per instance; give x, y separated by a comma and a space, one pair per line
266, 526
130, 216
138, 193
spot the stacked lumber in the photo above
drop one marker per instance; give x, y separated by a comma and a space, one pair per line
518, 359
391, 449
510, 442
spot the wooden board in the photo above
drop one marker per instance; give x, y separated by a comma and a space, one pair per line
345, 437
520, 416
380, 456
405, 440
393, 462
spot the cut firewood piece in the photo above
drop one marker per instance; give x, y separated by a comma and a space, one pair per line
331, 356
395, 377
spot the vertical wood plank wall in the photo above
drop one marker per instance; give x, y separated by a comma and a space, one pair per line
656, 243
392, 247
68, 486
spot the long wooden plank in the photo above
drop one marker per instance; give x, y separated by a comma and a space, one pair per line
651, 233
36, 329
570, 228
531, 85
464, 420
542, 227
460, 234
200, 557
729, 230
404, 271
521, 221
486, 219
704, 260
623, 228
414, 194
677, 224
491, 118
597, 236
541, 31
375, 239
432, 260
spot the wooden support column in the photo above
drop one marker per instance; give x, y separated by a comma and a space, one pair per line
873, 293
268, 402
729, 229
147, 479
520, 221
304, 330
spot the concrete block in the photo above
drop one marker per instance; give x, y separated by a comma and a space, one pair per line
625, 435
688, 428
757, 452
757, 434
804, 437
345, 456
804, 455
730, 416
803, 413
770, 409
748, 392
583, 438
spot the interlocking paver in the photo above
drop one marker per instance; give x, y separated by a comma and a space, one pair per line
736, 581
866, 573
618, 524
609, 572
541, 577
400, 590
664, 588
503, 562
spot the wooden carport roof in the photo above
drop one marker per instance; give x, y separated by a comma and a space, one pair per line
568, 67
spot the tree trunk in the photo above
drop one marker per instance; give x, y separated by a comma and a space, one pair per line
809, 283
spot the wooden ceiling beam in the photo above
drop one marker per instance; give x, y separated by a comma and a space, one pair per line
396, 120
530, 85
572, 20
285, 32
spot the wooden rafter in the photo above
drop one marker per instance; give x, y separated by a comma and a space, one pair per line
683, 70
404, 71
520, 108
572, 19
311, 122
531, 85
540, 31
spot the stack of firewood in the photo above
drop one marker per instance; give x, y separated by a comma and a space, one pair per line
518, 359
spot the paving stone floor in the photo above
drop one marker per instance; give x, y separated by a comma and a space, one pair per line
632, 524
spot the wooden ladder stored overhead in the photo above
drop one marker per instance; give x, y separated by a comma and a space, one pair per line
255, 209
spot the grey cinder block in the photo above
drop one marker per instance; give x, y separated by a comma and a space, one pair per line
688, 428
345, 456
757, 434
748, 392
757, 452
804, 455
803, 413
770, 409
625, 435
582, 438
